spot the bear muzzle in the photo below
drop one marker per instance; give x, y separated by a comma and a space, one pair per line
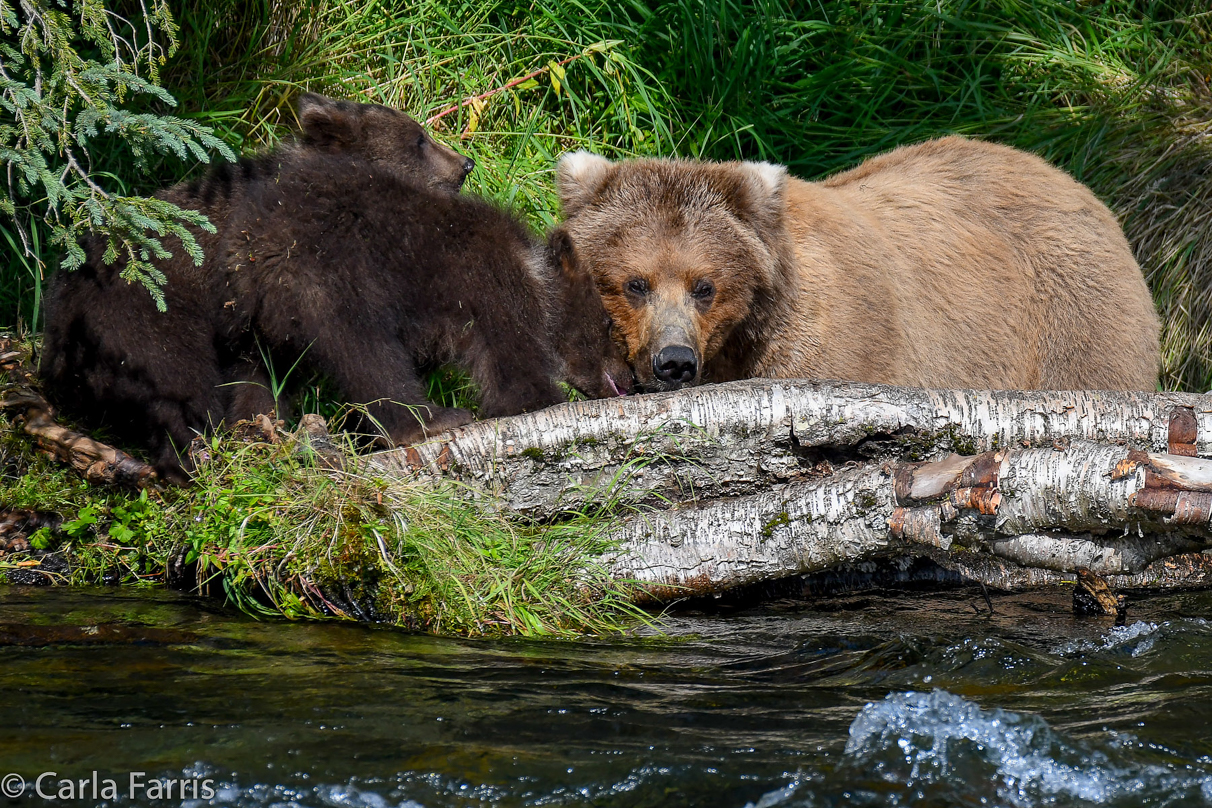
450, 169
672, 353
675, 365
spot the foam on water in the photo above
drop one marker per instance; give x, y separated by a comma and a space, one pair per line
1139, 638
1136, 639
425, 790
277, 796
778, 797
920, 739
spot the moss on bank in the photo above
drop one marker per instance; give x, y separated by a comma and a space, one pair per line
276, 533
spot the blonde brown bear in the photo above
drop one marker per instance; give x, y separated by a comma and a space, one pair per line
953, 263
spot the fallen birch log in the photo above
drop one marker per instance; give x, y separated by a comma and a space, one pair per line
1106, 508
741, 438
749, 482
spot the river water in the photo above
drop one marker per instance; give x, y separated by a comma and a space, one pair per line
869, 700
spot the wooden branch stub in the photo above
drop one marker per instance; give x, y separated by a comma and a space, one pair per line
920, 525
982, 499
1092, 596
312, 435
926, 481
99, 463
1183, 432
1177, 487
1128, 466
1191, 473
1192, 508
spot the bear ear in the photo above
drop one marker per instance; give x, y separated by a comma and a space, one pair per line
579, 176
564, 252
326, 123
756, 194
768, 177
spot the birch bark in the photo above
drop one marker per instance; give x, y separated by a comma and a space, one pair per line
744, 437
1085, 505
752, 481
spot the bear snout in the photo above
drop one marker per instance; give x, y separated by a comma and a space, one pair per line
675, 366
449, 169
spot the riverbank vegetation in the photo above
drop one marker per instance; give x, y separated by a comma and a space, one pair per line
1115, 92
272, 528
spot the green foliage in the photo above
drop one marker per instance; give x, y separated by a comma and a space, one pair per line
277, 535
450, 386
242, 78
69, 81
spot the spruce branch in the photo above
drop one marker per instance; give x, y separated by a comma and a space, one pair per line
57, 100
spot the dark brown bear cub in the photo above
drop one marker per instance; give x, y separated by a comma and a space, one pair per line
110, 357
365, 268
368, 278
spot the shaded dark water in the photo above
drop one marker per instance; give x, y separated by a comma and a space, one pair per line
904, 699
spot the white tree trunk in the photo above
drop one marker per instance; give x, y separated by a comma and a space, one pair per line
743, 437
1106, 508
751, 481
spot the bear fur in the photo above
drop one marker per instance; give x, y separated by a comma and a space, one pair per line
363, 268
949, 264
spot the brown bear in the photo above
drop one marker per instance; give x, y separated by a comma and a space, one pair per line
365, 268
385, 137
952, 263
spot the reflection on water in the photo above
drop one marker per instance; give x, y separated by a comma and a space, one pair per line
904, 699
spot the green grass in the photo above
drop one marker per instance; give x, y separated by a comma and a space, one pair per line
22, 278
276, 534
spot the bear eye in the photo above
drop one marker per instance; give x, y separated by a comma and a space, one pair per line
703, 289
637, 286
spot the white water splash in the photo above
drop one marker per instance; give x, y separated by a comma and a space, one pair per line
916, 739
779, 796
1138, 638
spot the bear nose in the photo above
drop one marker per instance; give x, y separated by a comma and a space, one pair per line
675, 364
468, 165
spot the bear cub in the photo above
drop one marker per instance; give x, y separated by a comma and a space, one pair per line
368, 279
352, 252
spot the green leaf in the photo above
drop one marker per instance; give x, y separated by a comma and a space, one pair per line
40, 539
